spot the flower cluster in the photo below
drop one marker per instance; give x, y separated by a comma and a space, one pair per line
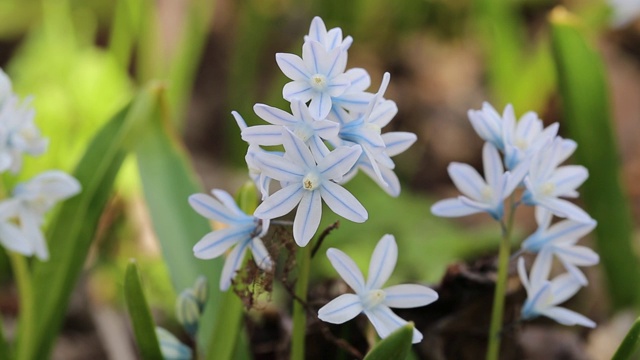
333, 130
22, 215
532, 156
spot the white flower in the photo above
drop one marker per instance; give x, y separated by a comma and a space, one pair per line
244, 232
547, 182
544, 296
369, 296
524, 138
560, 240
317, 76
31, 201
624, 12
480, 195
306, 183
488, 124
329, 39
301, 123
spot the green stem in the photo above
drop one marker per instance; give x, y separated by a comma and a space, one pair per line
497, 312
299, 313
630, 343
25, 289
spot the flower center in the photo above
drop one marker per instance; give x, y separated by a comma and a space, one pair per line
374, 127
303, 131
521, 144
311, 181
373, 298
319, 82
487, 193
547, 189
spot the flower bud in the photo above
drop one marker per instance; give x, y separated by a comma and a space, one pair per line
188, 311
171, 347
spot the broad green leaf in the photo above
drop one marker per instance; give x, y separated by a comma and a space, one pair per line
630, 343
395, 346
144, 328
72, 232
587, 116
167, 181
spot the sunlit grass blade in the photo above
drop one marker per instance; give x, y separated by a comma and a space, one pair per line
143, 325
630, 343
72, 232
395, 346
587, 115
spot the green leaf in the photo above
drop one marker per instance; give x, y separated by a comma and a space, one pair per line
630, 344
143, 325
167, 181
72, 232
395, 346
587, 115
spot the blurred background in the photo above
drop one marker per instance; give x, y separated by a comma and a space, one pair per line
83, 60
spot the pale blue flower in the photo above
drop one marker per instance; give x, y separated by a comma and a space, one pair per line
560, 240
544, 296
329, 39
29, 204
547, 182
243, 231
300, 123
306, 183
488, 124
369, 296
317, 76
524, 138
170, 347
18, 132
479, 195
354, 99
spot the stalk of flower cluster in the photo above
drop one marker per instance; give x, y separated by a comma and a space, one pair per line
497, 311
25, 289
299, 312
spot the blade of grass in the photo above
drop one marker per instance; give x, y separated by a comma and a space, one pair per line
587, 115
72, 232
143, 325
630, 343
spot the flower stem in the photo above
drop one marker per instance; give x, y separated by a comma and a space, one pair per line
497, 312
299, 313
25, 289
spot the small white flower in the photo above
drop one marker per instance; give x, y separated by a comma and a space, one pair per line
488, 124
30, 202
547, 182
524, 138
244, 232
544, 296
560, 240
306, 183
480, 195
329, 39
317, 76
369, 296
624, 12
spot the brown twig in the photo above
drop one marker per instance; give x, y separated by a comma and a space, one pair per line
323, 235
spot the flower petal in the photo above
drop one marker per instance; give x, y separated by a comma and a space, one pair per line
347, 269
320, 105
300, 90
567, 317
228, 201
467, 180
564, 208
267, 135
293, 66
307, 217
274, 115
341, 309
232, 264
383, 261
218, 242
260, 254
386, 321
452, 207
297, 151
280, 203
342, 202
339, 161
15, 240
397, 142
409, 296
211, 208
279, 168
